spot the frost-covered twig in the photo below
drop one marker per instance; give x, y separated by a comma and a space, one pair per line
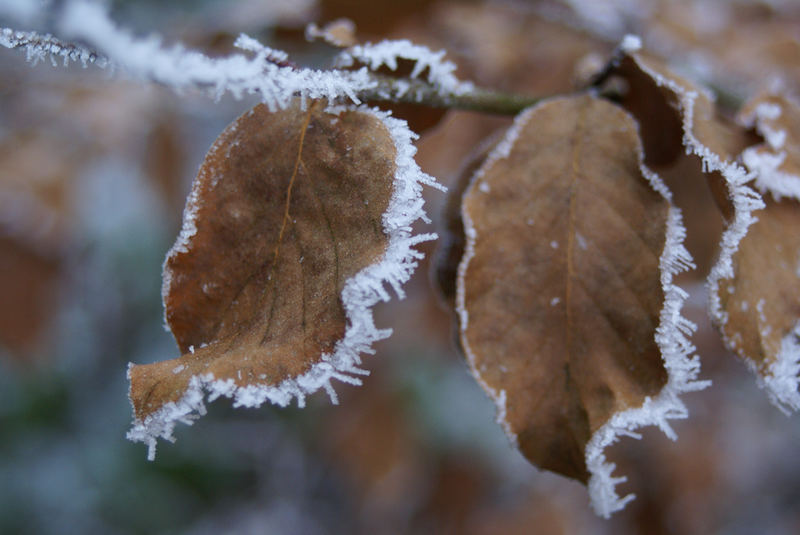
43, 47
266, 72
415, 91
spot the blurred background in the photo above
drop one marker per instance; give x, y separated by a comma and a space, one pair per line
94, 171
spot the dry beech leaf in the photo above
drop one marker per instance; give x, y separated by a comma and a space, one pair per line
674, 115
776, 162
294, 224
508, 46
716, 145
568, 315
761, 302
754, 287
450, 247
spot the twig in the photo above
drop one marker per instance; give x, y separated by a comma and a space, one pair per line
417, 91
382, 89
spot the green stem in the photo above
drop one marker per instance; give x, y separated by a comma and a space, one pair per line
415, 91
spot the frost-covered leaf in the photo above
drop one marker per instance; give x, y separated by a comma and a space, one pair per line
693, 148
398, 56
295, 222
760, 303
568, 316
675, 115
714, 143
450, 248
776, 162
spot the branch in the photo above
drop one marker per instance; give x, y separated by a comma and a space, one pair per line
416, 91
41, 47
266, 72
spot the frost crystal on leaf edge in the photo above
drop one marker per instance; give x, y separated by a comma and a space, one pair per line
766, 166
501, 151
671, 336
780, 381
359, 295
388, 52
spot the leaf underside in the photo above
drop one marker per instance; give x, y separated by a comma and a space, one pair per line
560, 291
287, 207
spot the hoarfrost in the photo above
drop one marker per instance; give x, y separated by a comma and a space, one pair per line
745, 199
780, 380
359, 295
766, 165
387, 53
146, 58
672, 337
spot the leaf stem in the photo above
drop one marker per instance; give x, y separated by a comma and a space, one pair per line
416, 91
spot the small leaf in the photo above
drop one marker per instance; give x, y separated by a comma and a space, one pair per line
761, 302
294, 223
568, 316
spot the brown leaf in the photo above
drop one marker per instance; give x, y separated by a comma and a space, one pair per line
507, 46
564, 317
678, 119
29, 286
776, 161
760, 303
714, 145
294, 221
450, 248
688, 143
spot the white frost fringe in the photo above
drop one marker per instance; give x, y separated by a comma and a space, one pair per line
501, 151
359, 295
782, 378
671, 336
182, 69
388, 52
672, 339
745, 199
765, 165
